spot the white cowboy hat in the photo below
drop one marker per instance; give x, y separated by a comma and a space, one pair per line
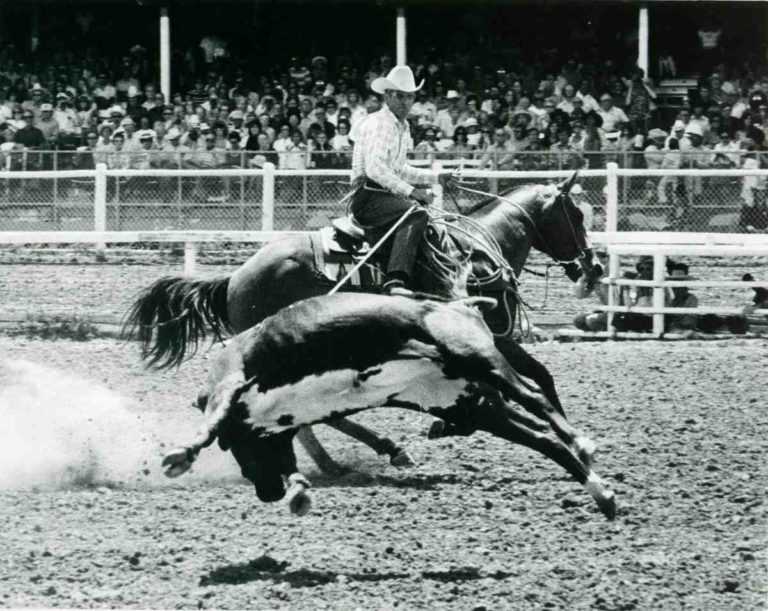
694, 129
399, 78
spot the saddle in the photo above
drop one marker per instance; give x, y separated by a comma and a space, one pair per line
338, 248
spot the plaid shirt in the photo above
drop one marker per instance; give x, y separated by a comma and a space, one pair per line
381, 143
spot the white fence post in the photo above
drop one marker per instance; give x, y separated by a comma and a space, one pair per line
659, 273
100, 202
614, 290
268, 197
439, 201
611, 197
190, 258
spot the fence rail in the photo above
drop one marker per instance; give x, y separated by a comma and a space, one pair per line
267, 198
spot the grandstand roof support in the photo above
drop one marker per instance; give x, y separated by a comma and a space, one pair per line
165, 54
400, 36
642, 39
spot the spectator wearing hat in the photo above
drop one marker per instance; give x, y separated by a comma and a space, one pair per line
36, 98
65, 116
174, 153
145, 157
676, 133
236, 125
653, 154
48, 125
448, 117
613, 117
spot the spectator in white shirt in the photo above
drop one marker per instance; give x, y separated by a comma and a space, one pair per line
613, 117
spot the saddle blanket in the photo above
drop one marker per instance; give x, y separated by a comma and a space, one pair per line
334, 261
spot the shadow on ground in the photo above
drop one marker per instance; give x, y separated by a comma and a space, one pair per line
266, 568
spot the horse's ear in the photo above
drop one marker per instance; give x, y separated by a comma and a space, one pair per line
566, 186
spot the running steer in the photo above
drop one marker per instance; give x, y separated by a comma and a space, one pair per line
336, 355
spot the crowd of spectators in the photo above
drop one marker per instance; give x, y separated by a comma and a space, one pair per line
304, 115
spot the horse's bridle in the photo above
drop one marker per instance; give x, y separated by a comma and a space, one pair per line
581, 252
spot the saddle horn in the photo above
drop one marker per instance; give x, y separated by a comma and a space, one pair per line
566, 186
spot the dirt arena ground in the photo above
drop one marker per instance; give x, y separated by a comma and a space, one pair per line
89, 520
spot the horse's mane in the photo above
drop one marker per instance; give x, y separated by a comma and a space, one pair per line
493, 198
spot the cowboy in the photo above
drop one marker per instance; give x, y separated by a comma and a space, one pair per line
383, 178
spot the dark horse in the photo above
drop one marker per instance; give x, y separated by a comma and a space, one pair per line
175, 313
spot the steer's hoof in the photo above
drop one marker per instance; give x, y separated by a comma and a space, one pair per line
299, 502
176, 462
402, 459
436, 430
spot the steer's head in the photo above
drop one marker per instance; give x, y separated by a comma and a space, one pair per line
263, 460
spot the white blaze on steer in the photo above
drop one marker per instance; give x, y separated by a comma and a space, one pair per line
419, 382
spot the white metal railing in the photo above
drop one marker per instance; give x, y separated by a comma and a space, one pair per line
658, 244
662, 245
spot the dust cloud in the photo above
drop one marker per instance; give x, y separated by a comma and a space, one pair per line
59, 431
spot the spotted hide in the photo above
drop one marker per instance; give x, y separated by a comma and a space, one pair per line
336, 355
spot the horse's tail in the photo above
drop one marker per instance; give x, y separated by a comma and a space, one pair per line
172, 315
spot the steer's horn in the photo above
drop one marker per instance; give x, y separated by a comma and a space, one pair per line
566, 186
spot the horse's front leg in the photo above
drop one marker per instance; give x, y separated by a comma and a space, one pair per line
527, 365
398, 456
179, 460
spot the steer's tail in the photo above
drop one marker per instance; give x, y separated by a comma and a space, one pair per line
171, 317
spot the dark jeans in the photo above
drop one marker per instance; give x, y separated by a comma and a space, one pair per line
377, 211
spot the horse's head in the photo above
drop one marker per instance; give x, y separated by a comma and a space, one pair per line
561, 231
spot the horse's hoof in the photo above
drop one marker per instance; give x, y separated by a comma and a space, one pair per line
607, 504
176, 462
402, 459
436, 430
299, 502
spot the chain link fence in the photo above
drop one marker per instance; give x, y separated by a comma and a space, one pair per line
65, 202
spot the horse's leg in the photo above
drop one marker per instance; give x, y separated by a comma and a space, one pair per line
532, 398
398, 456
504, 419
317, 452
527, 365
179, 460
